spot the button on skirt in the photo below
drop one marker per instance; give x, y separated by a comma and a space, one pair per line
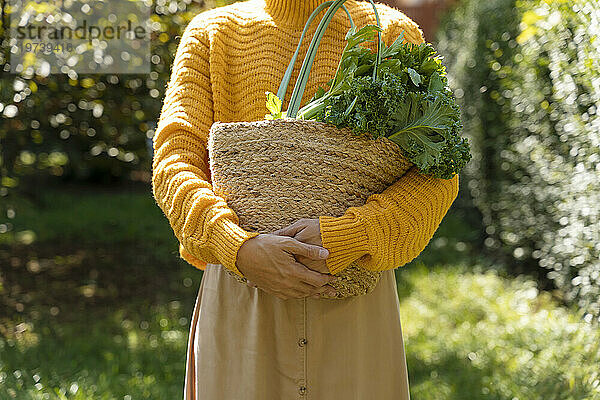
246, 344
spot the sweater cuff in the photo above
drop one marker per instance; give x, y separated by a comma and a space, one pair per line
346, 239
226, 238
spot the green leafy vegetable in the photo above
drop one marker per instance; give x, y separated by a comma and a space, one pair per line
355, 61
274, 107
407, 100
435, 83
394, 47
414, 76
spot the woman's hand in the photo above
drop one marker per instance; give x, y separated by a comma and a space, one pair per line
268, 262
306, 230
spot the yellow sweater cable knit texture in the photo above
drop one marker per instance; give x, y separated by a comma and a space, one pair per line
226, 60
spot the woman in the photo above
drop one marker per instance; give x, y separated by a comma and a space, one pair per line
276, 338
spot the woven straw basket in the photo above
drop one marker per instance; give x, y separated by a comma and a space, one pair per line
272, 173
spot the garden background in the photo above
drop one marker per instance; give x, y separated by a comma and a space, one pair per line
503, 303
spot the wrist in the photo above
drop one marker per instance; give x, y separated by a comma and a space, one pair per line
345, 238
227, 240
241, 255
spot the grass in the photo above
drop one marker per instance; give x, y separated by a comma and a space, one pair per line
95, 304
74, 216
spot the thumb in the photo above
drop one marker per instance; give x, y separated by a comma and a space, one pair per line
308, 250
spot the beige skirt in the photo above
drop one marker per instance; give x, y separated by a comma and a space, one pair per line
246, 344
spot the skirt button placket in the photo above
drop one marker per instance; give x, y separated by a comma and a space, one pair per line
302, 345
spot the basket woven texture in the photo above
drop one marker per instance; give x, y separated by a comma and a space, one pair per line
272, 173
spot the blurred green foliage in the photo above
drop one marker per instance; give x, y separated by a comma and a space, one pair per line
85, 127
471, 334
527, 73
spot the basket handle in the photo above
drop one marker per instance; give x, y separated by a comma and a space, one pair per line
288, 72
300, 85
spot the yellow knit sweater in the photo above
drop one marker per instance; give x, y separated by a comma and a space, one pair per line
226, 60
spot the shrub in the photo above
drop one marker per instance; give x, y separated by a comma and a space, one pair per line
85, 127
528, 75
471, 334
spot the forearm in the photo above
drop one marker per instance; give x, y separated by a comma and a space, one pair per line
203, 223
205, 226
393, 227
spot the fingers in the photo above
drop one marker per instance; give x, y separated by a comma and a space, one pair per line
296, 289
289, 278
300, 291
307, 250
305, 289
299, 294
310, 281
292, 229
328, 292
318, 266
314, 278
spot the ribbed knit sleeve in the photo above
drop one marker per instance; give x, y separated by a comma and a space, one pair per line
395, 226
205, 226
